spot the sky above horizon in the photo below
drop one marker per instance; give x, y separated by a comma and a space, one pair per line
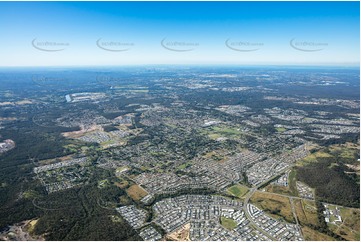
132, 33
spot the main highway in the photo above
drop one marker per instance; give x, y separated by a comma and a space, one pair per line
249, 195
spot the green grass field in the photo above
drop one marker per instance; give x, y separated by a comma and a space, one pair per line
103, 183
313, 158
226, 131
292, 183
228, 223
280, 129
216, 132
185, 165
238, 190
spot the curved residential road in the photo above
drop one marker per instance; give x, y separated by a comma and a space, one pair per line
249, 217
249, 195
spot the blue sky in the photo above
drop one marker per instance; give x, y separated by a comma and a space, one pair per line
322, 33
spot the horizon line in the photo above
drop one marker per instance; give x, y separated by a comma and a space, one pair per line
354, 65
